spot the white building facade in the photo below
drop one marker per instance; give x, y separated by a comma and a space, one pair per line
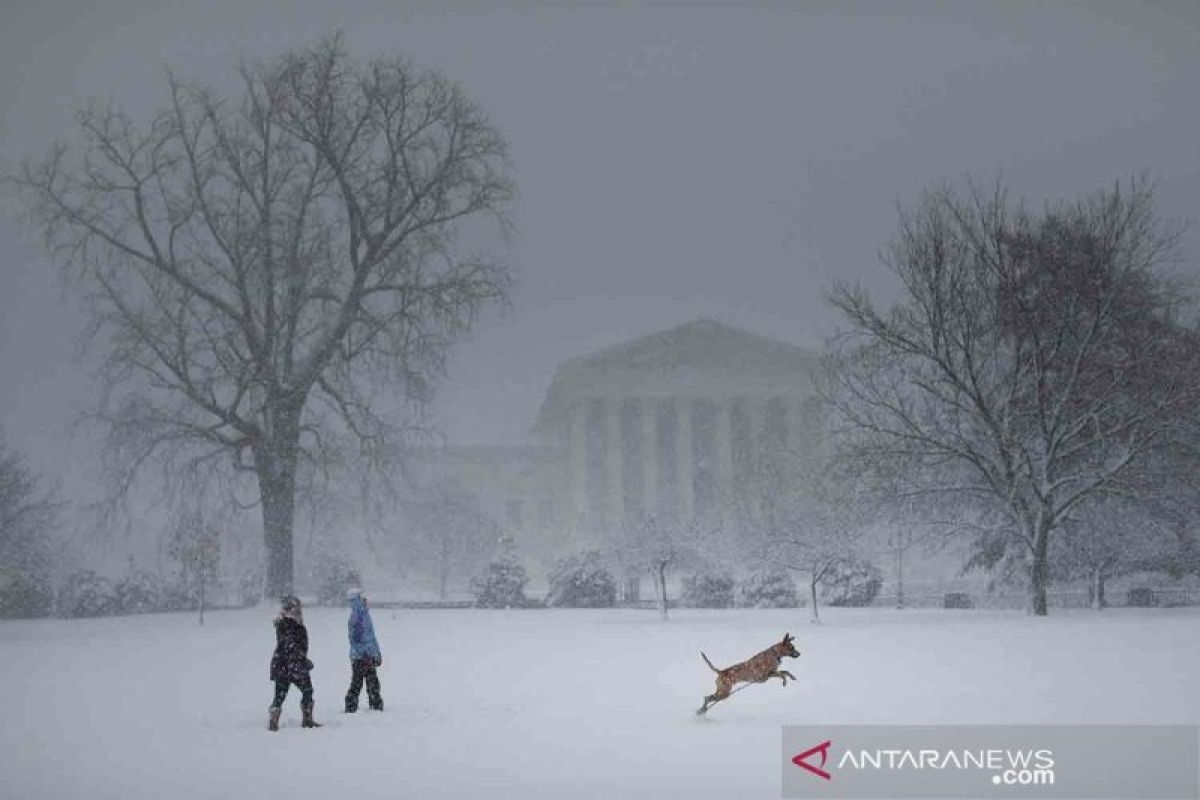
664, 427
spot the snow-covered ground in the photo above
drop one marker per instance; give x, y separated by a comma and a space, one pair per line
543, 704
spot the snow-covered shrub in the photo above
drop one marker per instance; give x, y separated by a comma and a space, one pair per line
502, 585
582, 581
957, 600
86, 594
139, 592
177, 595
24, 595
334, 577
771, 587
853, 583
1141, 597
708, 590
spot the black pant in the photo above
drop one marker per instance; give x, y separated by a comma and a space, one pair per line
304, 684
363, 669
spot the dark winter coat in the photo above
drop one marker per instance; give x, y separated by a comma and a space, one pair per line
290, 660
363, 645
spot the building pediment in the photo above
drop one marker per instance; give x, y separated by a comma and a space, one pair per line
700, 358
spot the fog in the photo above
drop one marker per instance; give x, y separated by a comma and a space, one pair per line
635, 429
673, 162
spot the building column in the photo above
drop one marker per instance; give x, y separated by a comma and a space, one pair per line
723, 450
684, 457
785, 424
615, 505
649, 452
799, 436
756, 414
756, 417
577, 460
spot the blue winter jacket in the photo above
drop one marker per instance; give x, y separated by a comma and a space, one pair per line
362, 632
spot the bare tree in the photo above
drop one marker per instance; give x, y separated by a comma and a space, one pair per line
1147, 526
910, 519
1107, 537
899, 542
260, 266
450, 531
196, 544
659, 545
806, 515
1031, 362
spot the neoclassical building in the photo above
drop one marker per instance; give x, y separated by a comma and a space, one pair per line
665, 426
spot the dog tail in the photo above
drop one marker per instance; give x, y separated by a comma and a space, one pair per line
710, 664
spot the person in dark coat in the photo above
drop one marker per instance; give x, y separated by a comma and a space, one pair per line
365, 656
290, 664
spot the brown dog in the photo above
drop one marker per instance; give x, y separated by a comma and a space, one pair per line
754, 670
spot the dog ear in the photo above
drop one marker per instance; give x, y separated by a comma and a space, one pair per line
787, 637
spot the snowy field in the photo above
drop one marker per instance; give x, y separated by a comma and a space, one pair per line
543, 704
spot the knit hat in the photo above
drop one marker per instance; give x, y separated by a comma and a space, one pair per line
292, 609
353, 592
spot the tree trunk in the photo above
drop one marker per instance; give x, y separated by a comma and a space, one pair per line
812, 588
443, 569
276, 466
1038, 573
201, 598
661, 580
1097, 589
900, 577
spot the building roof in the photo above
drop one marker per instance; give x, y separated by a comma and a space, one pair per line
690, 359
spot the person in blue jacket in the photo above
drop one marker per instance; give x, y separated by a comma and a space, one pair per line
364, 654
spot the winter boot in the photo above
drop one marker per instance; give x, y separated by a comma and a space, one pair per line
308, 721
351, 704
376, 702
273, 718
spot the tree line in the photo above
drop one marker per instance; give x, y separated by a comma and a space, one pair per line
274, 279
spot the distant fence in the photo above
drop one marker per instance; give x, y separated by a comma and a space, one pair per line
1164, 597
1140, 597
422, 604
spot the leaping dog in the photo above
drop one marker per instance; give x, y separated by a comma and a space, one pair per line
754, 670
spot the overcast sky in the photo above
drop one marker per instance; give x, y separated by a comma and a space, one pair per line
673, 161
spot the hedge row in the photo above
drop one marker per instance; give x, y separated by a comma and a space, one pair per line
85, 593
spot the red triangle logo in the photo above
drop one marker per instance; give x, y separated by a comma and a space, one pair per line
823, 749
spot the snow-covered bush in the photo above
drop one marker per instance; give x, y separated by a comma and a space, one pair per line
29, 514
139, 592
502, 585
957, 600
86, 594
853, 583
24, 595
177, 595
708, 590
771, 587
582, 581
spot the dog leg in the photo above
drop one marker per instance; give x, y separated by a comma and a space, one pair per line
711, 701
783, 674
723, 691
